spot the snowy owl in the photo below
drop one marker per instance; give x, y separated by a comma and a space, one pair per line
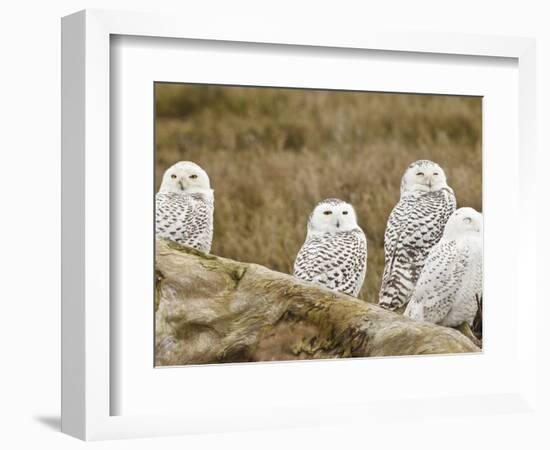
185, 206
450, 284
334, 254
415, 225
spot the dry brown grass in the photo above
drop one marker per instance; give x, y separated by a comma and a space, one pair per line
272, 154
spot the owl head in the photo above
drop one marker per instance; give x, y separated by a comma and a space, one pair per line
464, 222
423, 175
185, 176
332, 216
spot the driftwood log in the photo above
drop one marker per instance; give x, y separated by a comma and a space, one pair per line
214, 310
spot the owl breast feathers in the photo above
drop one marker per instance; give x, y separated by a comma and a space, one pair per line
185, 218
337, 261
415, 225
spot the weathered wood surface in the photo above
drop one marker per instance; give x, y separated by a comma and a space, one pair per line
213, 310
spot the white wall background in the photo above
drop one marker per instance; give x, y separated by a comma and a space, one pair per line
30, 187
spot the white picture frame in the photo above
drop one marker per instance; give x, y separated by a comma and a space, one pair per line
88, 357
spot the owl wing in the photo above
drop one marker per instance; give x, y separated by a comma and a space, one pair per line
397, 277
415, 225
352, 262
438, 283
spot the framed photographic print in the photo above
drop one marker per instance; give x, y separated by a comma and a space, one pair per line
339, 189
253, 217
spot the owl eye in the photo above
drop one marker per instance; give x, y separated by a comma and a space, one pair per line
467, 220
420, 174
436, 174
345, 213
173, 176
327, 213
193, 176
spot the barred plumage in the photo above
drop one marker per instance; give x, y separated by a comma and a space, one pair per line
185, 206
414, 226
450, 284
334, 254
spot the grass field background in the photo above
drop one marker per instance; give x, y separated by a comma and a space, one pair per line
273, 154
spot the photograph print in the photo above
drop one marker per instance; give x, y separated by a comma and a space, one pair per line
304, 224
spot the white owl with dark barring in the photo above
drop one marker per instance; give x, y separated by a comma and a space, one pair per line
450, 285
334, 253
414, 226
185, 206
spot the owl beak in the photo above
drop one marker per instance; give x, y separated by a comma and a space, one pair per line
337, 224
